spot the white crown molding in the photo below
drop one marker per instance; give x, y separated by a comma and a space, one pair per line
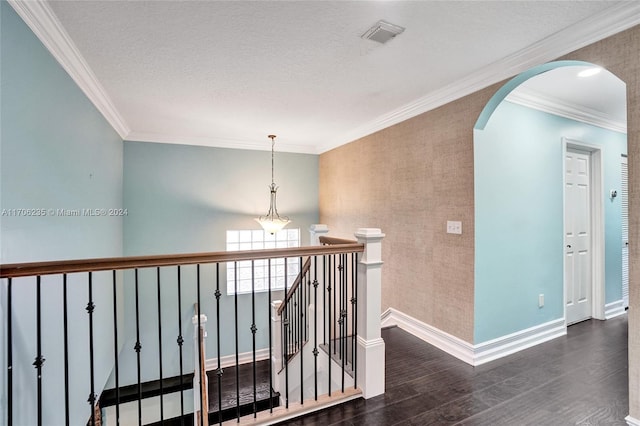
612, 20
41, 19
230, 143
552, 105
45, 25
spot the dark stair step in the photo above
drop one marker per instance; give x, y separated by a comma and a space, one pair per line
265, 396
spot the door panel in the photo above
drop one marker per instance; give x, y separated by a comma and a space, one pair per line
578, 275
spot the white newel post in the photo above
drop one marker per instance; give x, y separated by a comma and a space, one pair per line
276, 344
196, 352
315, 232
370, 356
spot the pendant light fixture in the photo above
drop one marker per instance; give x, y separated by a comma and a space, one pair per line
272, 222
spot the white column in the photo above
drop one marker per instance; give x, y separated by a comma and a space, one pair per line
315, 232
371, 357
276, 344
196, 378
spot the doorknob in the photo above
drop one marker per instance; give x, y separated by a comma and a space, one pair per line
568, 245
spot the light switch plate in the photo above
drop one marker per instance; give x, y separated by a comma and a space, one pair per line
454, 227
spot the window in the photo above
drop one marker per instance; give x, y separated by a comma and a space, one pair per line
257, 240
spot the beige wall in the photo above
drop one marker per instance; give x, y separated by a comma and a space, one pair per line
409, 179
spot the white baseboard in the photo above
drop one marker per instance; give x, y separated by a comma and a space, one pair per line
432, 335
230, 360
614, 309
480, 353
515, 342
631, 421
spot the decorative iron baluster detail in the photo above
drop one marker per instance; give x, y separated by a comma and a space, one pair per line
90, 309
180, 341
354, 260
115, 346
204, 411
301, 311
10, 354
253, 333
286, 334
160, 345
39, 359
235, 304
315, 325
65, 322
138, 348
270, 342
219, 371
330, 322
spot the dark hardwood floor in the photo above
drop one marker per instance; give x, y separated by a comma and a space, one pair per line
578, 379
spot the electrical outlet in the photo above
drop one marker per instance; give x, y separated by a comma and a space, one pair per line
454, 227
540, 300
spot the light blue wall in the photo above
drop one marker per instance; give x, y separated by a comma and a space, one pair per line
519, 217
56, 152
182, 199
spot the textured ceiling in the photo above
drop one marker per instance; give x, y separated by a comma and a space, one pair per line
226, 73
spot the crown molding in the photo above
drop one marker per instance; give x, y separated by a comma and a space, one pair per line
216, 142
613, 20
552, 105
45, 25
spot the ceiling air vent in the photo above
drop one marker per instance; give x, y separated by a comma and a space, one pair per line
382, 32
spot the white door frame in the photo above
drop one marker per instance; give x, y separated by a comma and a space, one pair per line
597, 224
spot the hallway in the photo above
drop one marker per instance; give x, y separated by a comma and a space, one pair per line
578, 379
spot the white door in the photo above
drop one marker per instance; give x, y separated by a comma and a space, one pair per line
624, 201
578, 280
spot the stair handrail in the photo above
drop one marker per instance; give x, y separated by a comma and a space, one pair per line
305, 269
14, 270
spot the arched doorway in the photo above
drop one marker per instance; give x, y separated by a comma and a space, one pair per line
521, 142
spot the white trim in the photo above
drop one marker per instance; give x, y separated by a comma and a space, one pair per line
432, 335
614, 309
230, 360
218, 142
631, 421
552, 105
619, 17
514, 342
595, 28
480, 353
46, 26
597, 224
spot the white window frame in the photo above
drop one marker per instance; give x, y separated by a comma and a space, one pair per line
257, 239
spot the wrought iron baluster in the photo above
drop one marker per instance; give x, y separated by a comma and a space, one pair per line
300, 327
253, 333
65, 321
180, 341
343, 313
354, 257
286, 334
138, 348
219, 369
353, 315
315, 325
115, 344
90, 309
330, 322
235, 301
10, 355
160, 345
204, 411
270, 341
39, 359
